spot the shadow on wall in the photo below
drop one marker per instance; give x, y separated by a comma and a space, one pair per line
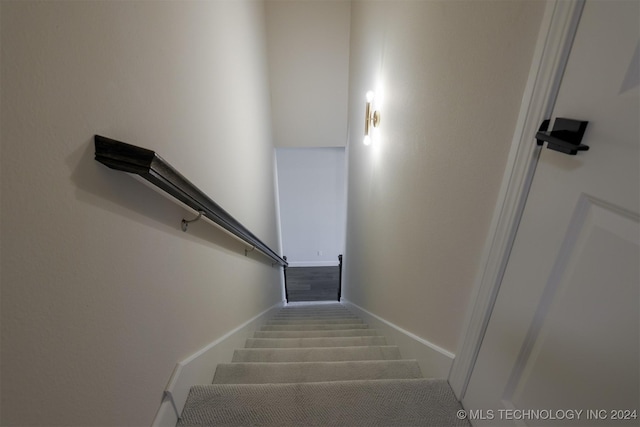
121, 194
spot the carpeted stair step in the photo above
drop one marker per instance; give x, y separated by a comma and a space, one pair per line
321, 354
314, 313
314, 342
310, 307
316, 334
295, 372
315, 327
350, 319
318, 315
407, 402
307, 314
311, 315
313, 321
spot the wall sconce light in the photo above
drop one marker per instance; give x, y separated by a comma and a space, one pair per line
371, 119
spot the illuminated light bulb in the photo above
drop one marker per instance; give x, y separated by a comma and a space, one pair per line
369, 96
367, 140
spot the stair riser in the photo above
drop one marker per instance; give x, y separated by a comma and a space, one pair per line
315, 310
324, 327
313, 321
317, 334
314, 313
308, 306
314, 342
344, 313
265, 373
389, 352
289, 319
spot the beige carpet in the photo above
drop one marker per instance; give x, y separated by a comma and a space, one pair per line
319, 365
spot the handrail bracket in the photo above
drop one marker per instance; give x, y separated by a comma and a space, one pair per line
186, 222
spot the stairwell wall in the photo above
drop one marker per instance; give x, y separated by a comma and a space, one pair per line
448, 78
102, 293
311, 187
308, 49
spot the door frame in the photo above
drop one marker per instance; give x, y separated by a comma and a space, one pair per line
555, 38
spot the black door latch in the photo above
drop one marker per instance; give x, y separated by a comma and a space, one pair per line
565, 137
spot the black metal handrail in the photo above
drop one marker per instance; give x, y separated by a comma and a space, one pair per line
340, 277
150, 166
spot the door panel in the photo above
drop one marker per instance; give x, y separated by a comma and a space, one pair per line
564, 333
601, 243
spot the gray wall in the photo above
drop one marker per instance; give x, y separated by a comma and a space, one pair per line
449, 78
311, 185
102, 293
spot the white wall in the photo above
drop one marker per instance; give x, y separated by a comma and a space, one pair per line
311, 184
308, 44
102, 293
449, 78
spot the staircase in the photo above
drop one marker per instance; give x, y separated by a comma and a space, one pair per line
319, 365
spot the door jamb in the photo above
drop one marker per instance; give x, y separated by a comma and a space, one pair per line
555, 38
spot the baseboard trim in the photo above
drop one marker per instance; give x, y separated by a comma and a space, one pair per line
200, 366
313, 263
434, 361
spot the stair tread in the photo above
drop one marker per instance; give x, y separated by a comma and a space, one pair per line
319, 354
370, 403
315, 342
316, 307
290, 372
311, 313
316, 310
314, 327
318, 333
311, 307
348, 321
314, 313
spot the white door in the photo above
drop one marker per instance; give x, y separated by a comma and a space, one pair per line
562, 343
